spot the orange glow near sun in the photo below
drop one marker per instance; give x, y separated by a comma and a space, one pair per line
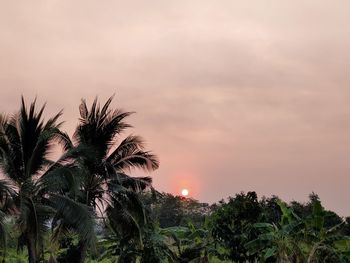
184, 192
185, 184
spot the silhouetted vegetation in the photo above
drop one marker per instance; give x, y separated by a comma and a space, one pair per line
84, 207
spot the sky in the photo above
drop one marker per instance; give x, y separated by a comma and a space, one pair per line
231, 95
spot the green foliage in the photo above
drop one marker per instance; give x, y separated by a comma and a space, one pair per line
169, 210
325, 243
279, 242
232, 224
14, 257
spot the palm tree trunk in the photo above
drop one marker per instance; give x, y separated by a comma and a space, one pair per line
32, 257
82, 252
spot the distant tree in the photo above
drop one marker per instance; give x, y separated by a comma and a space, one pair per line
305, 210
170, 212
195, 212
271, 211
232, 226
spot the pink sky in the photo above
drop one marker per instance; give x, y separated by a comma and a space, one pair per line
232, 95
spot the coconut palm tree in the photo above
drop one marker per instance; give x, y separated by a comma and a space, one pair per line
26, 141
104, 162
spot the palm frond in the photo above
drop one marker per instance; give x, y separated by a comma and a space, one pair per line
99, 127
124, 223
64, 140
3, 234
37, 160
11, 150
137, 159
26, 141
80, 154
130, 154
6, 190
126, 199
33, 219
73, 216
136, 184
63, 179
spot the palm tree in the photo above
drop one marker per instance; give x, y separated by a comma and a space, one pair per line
104, 162
25, 144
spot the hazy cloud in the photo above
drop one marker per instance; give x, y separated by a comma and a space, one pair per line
232, 95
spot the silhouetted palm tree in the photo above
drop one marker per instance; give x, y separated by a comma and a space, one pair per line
25, 144
103, 162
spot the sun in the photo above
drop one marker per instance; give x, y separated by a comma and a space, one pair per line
184, 192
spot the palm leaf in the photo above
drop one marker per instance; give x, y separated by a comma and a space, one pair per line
136, 184
74, 216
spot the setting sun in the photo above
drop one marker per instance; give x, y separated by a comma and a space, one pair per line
184, 192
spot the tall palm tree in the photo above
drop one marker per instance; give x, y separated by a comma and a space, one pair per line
26, 141
103, 161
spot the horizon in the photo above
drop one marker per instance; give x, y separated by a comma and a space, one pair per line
230, 96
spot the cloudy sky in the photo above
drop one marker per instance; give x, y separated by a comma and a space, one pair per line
232, 95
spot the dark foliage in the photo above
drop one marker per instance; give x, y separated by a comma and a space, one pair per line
232, 225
